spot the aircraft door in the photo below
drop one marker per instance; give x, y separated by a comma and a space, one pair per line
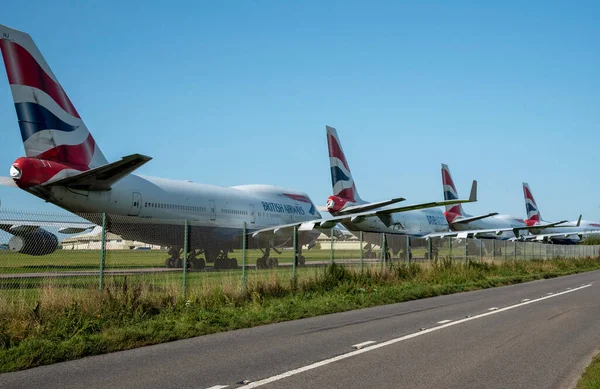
136, 204
212, 209
252, 214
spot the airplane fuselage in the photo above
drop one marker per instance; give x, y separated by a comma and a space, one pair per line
490, 223
151, 208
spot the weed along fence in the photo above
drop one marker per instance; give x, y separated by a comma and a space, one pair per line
81, 252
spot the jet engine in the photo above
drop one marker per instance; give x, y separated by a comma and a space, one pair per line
39, 242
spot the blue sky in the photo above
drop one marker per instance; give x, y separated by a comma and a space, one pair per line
238, 92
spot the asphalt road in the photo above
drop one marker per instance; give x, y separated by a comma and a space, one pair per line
535, 335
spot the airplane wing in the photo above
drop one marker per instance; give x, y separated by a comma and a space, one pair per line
22, 227
103, 177
367, 207
473, 218
499, 231
384, 215
288, 229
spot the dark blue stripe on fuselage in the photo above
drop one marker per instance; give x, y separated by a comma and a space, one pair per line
338, 175
34, 118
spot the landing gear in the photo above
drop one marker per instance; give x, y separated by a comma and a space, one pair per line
220, 259
369, 253
266, 262
195, 263
174, 260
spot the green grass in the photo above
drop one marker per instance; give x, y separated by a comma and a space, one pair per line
591, 376
56, 323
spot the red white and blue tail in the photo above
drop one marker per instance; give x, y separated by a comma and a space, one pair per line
344, 189
450, 193
51, 127
533, 212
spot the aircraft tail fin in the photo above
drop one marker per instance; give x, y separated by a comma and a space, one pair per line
450, 192
51, 127
341, 178
533, 212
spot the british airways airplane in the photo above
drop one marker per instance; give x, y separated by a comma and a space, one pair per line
64, 165
565, 233
458, 220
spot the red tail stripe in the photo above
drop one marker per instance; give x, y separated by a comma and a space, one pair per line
528, 194
347, 194
446, 179
23, 69
336, 151
79, 156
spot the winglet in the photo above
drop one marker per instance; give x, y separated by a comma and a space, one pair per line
473, 194
579, 221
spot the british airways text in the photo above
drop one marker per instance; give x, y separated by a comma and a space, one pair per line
282, 208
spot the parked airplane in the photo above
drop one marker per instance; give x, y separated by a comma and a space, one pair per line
65, 166
355, 214
458, 220
566, 233
28, 237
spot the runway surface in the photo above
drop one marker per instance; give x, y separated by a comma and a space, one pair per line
535, 335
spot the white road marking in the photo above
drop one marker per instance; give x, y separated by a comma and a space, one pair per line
218, 387
324, 362
525, 300
363, 344
444, 321
492, 308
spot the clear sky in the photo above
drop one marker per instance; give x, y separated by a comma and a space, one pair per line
239, 92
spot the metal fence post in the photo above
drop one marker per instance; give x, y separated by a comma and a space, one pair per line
331, 248
244, 247
408, 249
430, 249
102, 252
185, 256
295, 261
493, 250
361, 251
505, 250
480, 250
466, 250
515, 251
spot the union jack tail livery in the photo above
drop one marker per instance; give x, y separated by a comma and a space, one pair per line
52, 130
344, 189
533, 212
450, 193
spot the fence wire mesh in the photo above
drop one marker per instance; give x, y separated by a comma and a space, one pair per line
96, 251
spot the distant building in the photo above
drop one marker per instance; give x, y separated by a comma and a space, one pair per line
93, 241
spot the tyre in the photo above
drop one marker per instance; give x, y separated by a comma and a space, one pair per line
198, 263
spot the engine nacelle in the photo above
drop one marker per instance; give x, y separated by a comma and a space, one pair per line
40, 242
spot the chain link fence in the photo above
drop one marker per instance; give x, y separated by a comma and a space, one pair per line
99, 250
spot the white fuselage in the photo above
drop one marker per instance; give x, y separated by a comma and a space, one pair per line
571, 233
490, 223
150, 209
411, 223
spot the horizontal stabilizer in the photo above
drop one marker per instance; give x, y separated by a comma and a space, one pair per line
103, 177
467, 220
8, 181
24, 227
369, 206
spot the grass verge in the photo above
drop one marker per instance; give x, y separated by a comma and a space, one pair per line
64, 324
591, 377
